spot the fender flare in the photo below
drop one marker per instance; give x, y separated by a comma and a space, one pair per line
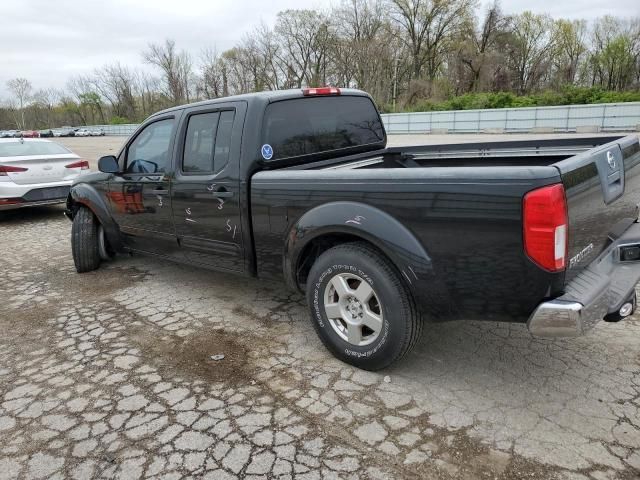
375, 226
88, 196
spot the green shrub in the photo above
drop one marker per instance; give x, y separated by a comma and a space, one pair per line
116, 120
567, 95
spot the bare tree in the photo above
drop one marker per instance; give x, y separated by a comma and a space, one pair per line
175, 66
365, 50
212, 79
571, 48
530, 50
44, 104
305, 38
147, 91
115, 82
88, 103
20, 88
428, 27
479, 51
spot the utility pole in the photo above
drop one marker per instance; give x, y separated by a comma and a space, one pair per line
395, 84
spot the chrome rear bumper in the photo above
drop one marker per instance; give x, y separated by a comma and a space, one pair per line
600, 290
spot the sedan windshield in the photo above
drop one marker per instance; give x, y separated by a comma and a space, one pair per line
19, 149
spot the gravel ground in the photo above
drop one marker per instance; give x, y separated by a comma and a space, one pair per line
109, 375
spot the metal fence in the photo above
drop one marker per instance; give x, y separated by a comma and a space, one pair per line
605, 117
123, 130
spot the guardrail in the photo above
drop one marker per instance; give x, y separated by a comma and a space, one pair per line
604, 117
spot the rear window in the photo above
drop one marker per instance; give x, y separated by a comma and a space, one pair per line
306, 126
18, 149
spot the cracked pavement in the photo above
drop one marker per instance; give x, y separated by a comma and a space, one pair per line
109, 375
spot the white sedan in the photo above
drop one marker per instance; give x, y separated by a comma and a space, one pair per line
35, 171
82, 132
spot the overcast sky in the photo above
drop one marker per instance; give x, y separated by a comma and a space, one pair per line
48, 41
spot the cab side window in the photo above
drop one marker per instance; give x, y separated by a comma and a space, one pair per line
208, 142
149, 151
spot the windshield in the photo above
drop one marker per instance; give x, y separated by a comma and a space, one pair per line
19, 149
312, 125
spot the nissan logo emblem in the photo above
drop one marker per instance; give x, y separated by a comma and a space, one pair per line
611, 160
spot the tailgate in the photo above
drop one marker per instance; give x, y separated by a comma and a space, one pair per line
603, 192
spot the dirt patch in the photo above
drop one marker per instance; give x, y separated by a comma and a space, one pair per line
190, 357
20, 324
98, 284
264, 320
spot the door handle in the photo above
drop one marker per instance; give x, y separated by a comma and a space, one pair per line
223, 194
160, 191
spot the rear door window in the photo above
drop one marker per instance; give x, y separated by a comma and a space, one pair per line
306, 126
208, 141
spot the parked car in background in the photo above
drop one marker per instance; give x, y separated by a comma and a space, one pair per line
82, 132
10, 134
29, 134
64, 132
98, 132
36, 172
46, 133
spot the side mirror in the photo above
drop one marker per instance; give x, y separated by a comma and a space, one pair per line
108, 164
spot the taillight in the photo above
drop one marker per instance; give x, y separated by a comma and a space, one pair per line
545, 227
307, 92
81, 164
6, 169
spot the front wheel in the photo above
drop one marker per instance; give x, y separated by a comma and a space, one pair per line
360, 308
84, 241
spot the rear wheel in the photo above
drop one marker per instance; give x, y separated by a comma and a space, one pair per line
84, 241
360, 308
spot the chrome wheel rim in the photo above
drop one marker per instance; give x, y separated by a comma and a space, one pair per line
353, 309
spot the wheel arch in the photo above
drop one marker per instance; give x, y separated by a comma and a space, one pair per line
341, 222
86, 195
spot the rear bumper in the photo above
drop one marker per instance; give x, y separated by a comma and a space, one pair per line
13, 206
601, 289
17, 196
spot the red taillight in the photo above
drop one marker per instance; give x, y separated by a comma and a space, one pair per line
81, 164
10, 201
6, 169
545, 227
308, 92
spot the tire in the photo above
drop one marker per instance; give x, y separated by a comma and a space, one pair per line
84, 241
352, 290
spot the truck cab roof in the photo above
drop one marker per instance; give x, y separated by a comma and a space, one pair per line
266, 97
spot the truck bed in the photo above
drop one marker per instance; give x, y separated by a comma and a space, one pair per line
464, 205
483, 154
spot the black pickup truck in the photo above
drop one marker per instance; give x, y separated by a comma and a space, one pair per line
299, 185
